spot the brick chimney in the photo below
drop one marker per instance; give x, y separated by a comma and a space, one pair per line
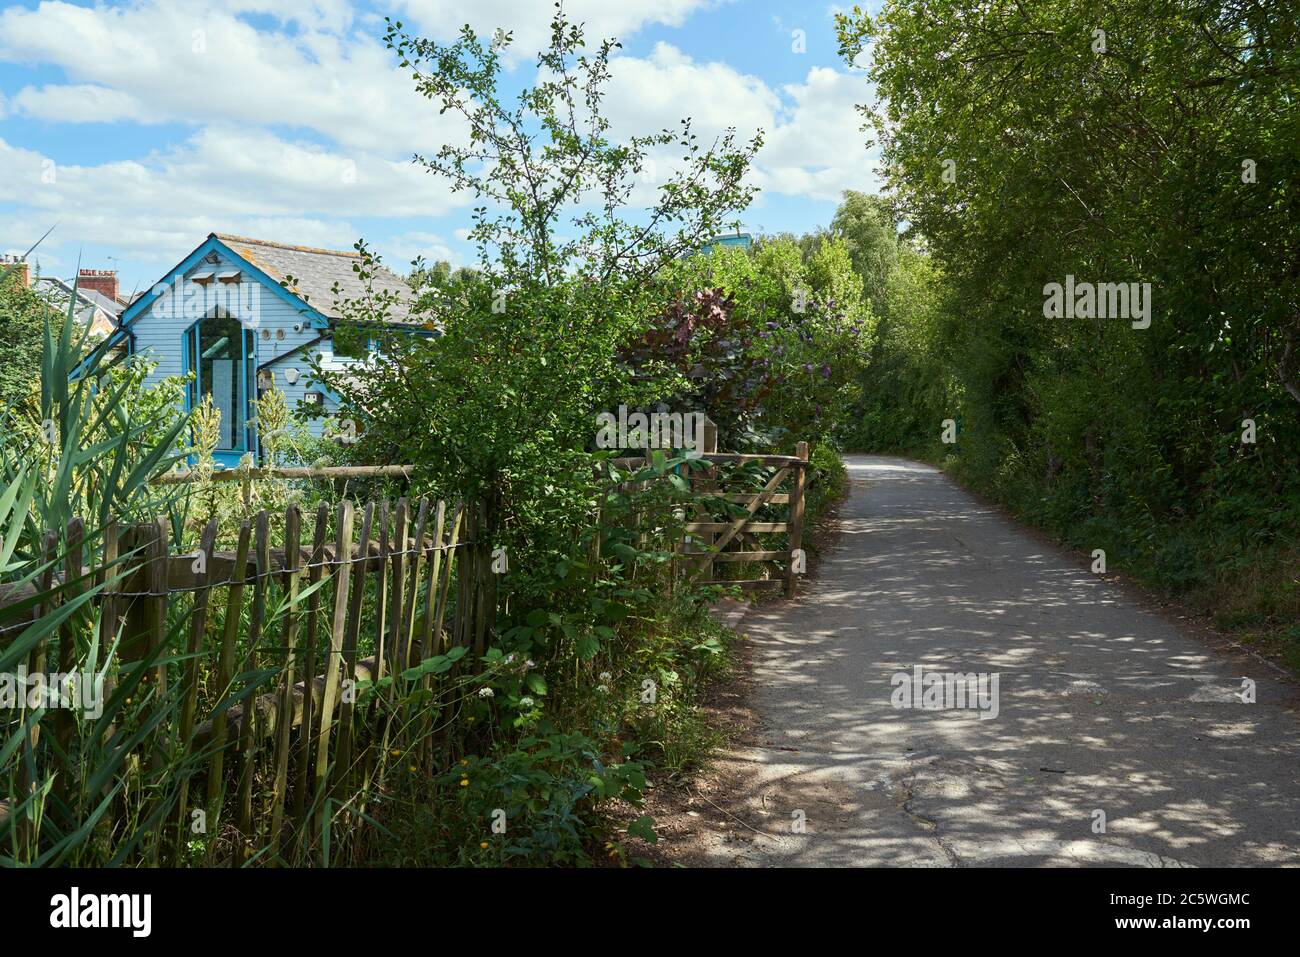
102, 281
23, 270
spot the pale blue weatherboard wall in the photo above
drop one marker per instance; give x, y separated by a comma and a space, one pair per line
281, 326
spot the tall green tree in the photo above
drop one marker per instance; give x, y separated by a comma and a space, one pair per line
552, 186
1032, 142
500, 406
866, 225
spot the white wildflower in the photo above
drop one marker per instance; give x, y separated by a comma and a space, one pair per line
525, 702
605, 676
486, 693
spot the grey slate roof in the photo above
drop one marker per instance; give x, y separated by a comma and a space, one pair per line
53, 287
317, 270
101, 312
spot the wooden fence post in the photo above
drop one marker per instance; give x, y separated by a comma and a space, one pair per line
304, 752
330, 696
710, 436
157, 600
226, 676
284, 713
796, 517
347, 705
248, 735
381, 589
453, 542
134, 542
28, 836
427, 638
190, 692
109, 616
64, 722
156, 615
397, 587
705, 480
411, 653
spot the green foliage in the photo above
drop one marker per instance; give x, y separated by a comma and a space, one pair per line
680, 654
82, 447
588, 735
549, 158
540, 793
866, 226
774, 355
1022, 146
22, 327
92, 433
501, 406
909, 385
827, 483
498, 405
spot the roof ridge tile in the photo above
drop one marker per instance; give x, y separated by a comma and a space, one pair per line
232, 238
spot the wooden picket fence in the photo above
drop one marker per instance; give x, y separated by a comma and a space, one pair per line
277, 757
277, 653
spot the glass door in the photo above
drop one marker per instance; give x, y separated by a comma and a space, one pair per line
222, 354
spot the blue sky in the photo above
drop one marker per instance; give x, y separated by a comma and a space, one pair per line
141, 126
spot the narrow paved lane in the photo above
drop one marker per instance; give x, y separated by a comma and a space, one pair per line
1102, 706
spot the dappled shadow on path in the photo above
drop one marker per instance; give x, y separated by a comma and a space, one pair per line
1102, 707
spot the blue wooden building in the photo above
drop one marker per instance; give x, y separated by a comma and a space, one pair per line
242, 314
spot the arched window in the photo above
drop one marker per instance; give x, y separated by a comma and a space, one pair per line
222, 354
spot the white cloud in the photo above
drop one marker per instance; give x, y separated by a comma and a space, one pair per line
79, 103
199, 63
229, 172
813, 143
657, 92
820, 149
300, 131
529, 20
401, 250
332, 15
223, 180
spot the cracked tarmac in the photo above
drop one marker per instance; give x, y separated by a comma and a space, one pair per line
1104, 707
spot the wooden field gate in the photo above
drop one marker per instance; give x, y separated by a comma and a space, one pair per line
713, 540
710, 542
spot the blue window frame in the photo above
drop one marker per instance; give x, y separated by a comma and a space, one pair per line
222, 355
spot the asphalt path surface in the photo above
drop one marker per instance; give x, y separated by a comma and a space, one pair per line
1102, 707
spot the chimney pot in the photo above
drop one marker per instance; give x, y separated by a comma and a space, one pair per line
23, 269
102, 281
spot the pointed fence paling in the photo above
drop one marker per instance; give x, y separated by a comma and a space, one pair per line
270, 676
268, 656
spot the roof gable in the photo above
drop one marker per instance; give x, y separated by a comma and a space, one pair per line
314, 273
193, 263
